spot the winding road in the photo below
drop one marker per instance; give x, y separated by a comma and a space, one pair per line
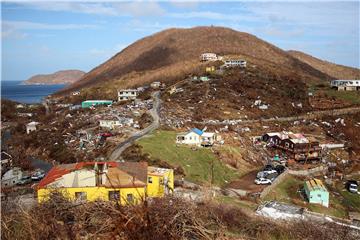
154, 112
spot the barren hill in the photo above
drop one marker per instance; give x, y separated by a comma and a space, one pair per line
334, 70
174, 53
60, 77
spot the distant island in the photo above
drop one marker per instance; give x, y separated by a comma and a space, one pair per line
60, 77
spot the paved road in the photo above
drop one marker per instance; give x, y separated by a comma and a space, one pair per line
154, 112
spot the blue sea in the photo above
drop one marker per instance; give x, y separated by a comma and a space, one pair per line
12, 90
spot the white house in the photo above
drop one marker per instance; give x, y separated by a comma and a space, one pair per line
209, 57
11, 177
31, 127
234, 63
346, 85
196, 137
106, 123
127, 94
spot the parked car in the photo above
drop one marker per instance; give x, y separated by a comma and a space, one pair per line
352, 186
262, 181
268, 167
38, 175
24, 180
280, 169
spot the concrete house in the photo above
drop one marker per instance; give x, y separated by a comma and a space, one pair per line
30, 127
196, 137
209, 57
160, 181
127, 94
299, 147
316, 192
11, 177
110, 123
234, 63
346, 85
123, 182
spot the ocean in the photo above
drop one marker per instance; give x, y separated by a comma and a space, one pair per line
12, 90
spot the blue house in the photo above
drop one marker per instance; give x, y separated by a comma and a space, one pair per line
316, 192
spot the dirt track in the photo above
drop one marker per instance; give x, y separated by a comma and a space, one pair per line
309, 115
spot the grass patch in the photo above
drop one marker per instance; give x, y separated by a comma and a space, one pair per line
237, 202
348, 96
198, 165
350, 200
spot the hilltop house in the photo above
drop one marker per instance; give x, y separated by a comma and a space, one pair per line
209, 57
127, 94
316, 192
346, 85
210, 69
299, 147
196, 137
234, 63
30, 127
123, 182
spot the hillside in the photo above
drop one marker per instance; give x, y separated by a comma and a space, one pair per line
60, 77
174, 53
334, 70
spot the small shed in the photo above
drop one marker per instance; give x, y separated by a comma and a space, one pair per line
316, 192
92, 103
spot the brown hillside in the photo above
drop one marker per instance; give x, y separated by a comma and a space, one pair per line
60, 77
334, 70
175, 52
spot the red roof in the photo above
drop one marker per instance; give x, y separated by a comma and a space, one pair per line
60, 170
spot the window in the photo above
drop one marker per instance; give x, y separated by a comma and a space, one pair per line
286, 144
190, 138
130, 198
80, 196
114, 195
150, 180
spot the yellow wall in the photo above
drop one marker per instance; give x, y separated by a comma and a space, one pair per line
94, 193
157, 188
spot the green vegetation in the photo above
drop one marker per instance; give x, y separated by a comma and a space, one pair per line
350, 200
287, 191
198, 164
348, 96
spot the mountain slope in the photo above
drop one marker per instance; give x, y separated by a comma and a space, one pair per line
60, 77
174, 53
334, 70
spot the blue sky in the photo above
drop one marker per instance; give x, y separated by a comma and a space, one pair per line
44, 37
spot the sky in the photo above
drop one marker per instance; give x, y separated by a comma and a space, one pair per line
41, 37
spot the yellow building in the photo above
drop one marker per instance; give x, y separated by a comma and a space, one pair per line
210, 69
160, 181
124, 182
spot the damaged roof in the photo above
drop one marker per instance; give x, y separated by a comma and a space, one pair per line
130, 173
